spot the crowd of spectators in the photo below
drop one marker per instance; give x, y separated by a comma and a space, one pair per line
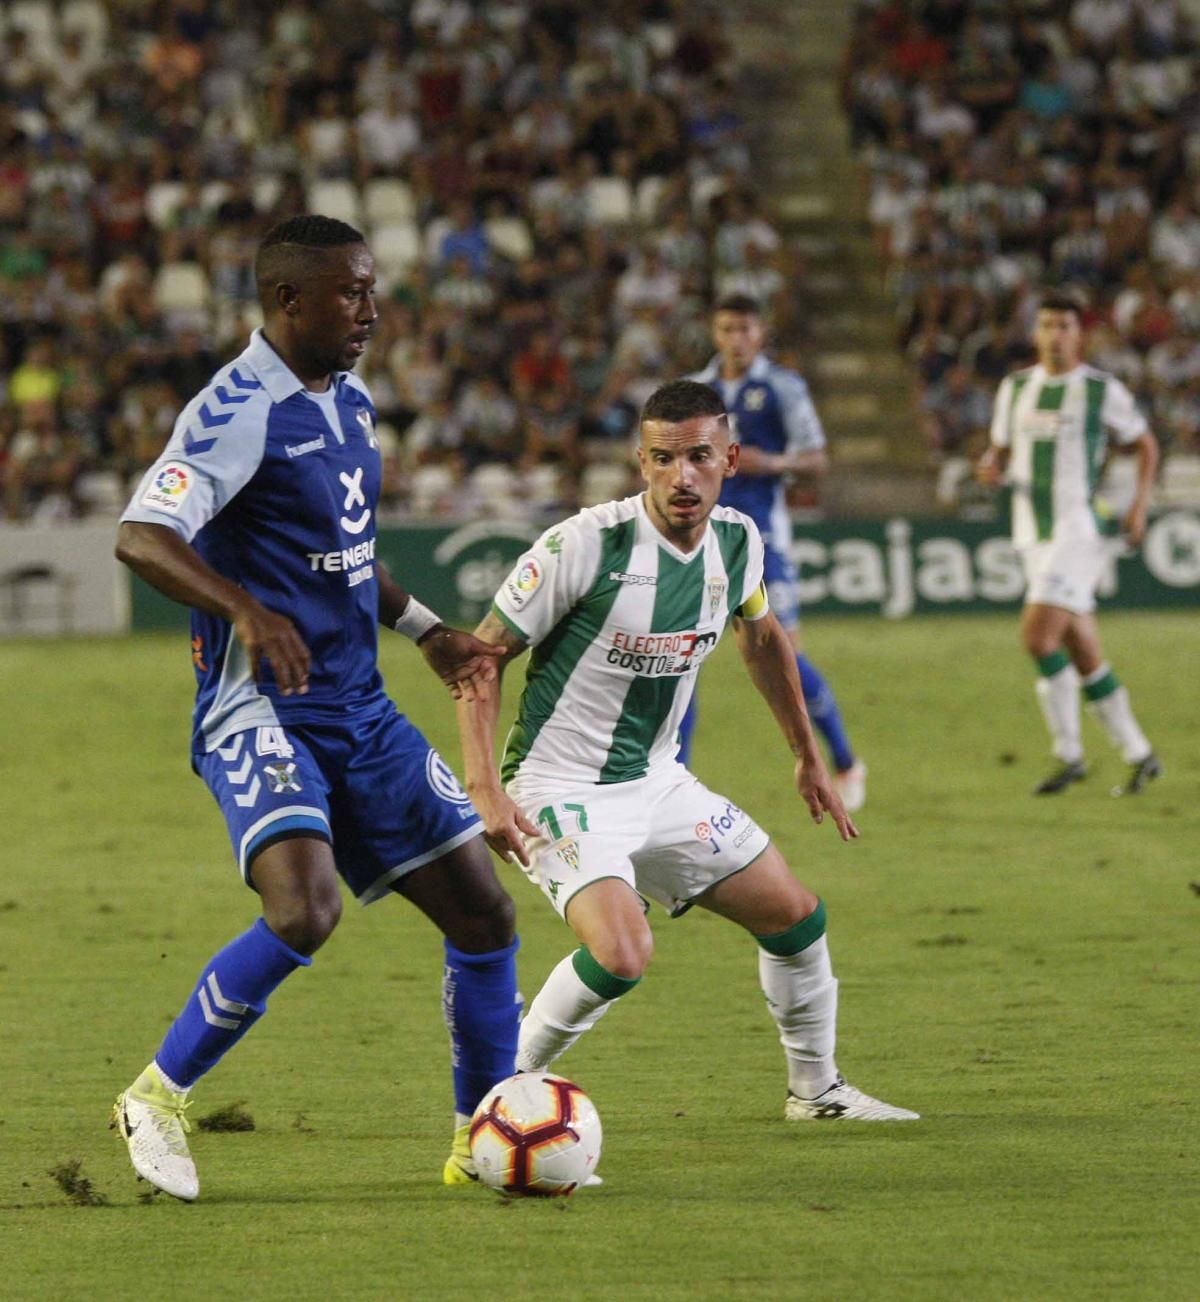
1013, 144
554, 191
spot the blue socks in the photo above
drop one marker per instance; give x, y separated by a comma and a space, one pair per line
229, 998
823, 711
483, 1011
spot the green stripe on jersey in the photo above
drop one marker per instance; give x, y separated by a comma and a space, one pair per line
735, 551
1042, 496
678, 598
554, 658
1093, 430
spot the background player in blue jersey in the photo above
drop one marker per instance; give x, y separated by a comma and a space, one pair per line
777, 425
260, 515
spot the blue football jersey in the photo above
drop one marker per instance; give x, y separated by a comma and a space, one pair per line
769, 408
276, 488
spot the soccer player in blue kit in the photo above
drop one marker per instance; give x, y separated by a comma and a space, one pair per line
260, 515
780, 434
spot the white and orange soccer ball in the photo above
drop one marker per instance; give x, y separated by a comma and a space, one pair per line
535, 1135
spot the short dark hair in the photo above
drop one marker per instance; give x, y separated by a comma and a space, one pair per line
289, 243
1062, 300
742, 304
682, 400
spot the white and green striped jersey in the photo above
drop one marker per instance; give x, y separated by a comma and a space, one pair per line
1058, 427
619, 620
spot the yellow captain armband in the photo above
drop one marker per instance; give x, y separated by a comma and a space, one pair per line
755, 606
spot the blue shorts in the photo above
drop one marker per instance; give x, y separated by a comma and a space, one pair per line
372, 786
783, 585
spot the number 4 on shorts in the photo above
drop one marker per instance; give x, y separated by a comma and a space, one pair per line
550, 821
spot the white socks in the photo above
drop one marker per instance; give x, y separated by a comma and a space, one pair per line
1109, 702
1058, 697
801, 994
563, 1009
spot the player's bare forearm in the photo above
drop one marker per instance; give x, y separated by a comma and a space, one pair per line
992, 464
757, 461
505, 826
771, 661
1146, 451
393, 599
160, 556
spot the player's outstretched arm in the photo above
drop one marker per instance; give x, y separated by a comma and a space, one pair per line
160, 556
771, 661
505, 826
458, 658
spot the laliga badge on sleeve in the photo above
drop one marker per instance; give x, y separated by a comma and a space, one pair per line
170, 488
524, 581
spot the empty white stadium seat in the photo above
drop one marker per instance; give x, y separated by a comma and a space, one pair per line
335, 198
387, 200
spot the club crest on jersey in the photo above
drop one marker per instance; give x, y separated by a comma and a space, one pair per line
170, 488
716, 590
282, 777
755, 398
568, 852
524, 581
363, 416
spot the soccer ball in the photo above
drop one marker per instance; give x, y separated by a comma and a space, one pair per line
535, 1135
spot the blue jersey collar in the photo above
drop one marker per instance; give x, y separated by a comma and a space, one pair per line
759, 370
279, 380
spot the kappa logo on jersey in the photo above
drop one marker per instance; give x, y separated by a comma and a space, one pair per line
169, 491
660, 655
441, 778
354, 497
637, 580
524, 581
755, 398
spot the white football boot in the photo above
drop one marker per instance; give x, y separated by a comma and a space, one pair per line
842, 1102
151, 1119
851, 785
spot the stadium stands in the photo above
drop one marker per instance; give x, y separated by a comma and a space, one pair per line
513, 162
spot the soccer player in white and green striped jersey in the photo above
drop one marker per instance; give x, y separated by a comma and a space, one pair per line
1052, 427
621, 604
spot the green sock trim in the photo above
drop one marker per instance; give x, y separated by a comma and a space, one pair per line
1052, 664
798, 936
598, 978
1102, 687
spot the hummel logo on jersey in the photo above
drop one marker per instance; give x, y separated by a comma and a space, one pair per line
299, 449
354, 497
638, 580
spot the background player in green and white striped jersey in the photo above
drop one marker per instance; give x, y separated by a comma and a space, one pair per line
621, 604
1051, 430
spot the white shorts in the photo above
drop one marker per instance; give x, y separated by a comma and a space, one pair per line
1064, 573
666, 834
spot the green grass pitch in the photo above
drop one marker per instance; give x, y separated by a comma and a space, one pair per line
1024, 973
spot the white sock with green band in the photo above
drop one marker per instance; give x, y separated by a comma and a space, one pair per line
576, 995
801, 990
1058, 695
1109, 702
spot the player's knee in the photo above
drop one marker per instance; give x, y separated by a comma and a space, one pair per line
627, 955
305, 919
492, 927
1040, 642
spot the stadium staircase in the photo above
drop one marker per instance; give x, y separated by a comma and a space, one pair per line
791, 57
